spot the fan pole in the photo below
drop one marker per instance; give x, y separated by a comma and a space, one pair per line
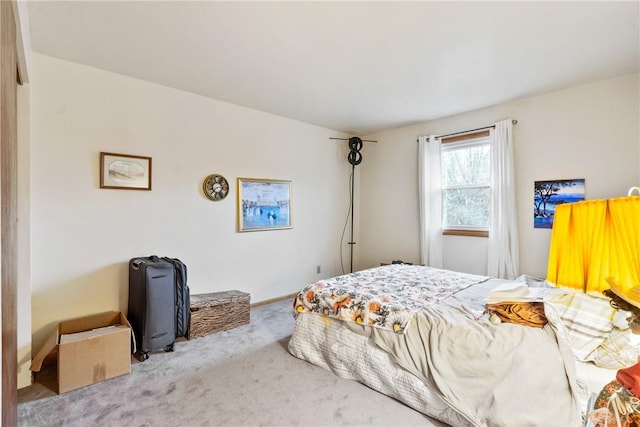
354, 157
351, 243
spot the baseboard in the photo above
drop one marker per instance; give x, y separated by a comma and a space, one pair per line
272, 300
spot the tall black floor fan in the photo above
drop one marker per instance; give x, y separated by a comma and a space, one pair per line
355, 158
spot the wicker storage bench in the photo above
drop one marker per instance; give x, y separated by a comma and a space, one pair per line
218, 311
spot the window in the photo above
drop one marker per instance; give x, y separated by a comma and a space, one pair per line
466, 184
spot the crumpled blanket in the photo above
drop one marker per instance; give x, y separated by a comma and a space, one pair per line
521, 313
493, 375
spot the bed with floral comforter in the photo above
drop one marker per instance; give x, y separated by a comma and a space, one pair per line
420, 335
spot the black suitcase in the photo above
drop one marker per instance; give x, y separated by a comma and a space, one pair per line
152, 305
183, 297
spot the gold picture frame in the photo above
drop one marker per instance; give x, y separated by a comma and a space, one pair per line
125, 171
263, 204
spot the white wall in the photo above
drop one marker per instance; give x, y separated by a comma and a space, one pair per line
83, 236
590, 131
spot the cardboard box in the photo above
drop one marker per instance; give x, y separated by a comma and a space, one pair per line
90, 349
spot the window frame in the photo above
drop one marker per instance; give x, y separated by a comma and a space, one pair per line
468, 140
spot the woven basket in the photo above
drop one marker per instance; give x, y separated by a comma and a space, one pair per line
218, 311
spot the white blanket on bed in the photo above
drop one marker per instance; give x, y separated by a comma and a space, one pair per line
503, 374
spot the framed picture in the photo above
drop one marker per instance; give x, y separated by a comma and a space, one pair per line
125, 172
549, 194
263, 204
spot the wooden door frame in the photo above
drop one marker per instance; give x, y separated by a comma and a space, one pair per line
8, 211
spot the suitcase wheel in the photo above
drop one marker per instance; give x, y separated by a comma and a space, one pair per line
142, 356
169, 348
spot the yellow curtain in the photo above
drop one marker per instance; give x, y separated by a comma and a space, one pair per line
595, 243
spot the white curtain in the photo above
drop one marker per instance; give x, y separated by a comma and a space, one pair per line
430, 200
503, 228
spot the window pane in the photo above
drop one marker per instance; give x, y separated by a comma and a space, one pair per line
466, 165
465, 207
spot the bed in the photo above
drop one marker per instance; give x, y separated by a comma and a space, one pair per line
421, 335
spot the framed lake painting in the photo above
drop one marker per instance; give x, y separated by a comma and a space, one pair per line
549, 194
263, 204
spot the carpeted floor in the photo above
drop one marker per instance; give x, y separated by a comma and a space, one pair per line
241, 377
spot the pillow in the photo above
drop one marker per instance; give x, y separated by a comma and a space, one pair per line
586, 318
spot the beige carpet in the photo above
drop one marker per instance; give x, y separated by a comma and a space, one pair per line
241, 377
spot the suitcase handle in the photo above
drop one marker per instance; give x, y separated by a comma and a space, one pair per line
137, 263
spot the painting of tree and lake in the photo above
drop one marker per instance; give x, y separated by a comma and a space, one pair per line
549, 194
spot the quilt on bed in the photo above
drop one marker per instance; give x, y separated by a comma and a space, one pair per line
383, 297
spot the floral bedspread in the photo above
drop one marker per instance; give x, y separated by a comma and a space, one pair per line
383, 297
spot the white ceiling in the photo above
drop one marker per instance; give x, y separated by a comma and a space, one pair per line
358, 67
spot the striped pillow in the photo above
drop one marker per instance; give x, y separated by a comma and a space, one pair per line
587, 319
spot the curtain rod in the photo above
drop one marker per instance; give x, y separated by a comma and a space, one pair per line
513, 122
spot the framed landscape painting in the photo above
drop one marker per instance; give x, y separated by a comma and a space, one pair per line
549, 194
125, 172
263, 204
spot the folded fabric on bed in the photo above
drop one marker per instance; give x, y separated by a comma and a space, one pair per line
587, 320
382, 297
521, 313
619, 350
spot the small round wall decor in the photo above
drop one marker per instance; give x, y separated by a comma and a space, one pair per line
215, 187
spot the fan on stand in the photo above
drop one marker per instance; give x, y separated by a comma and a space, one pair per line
354, 157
